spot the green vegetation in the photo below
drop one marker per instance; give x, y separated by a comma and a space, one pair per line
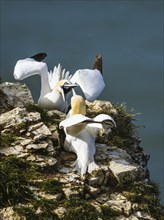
7, 139
80, 209
41, 209
108, 213
146, 195
14, 181
16, 176
121, 136
51, 186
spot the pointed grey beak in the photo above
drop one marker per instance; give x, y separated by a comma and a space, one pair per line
109, 124
70, 85
66, 88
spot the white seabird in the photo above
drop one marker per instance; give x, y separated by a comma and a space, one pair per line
56, 85
81, 132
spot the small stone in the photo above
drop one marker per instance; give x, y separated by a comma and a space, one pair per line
94, 191
8, 151
97, 179
47, 196
25, 142
120, 203
68, 192
9, 214
135, 207
50, 148
142, 215
31, 158
22, 155
37, 146
51, 161
60, 211
39, 128
124, 171
64, 169
18, 148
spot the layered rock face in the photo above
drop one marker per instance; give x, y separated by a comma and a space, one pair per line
32, 143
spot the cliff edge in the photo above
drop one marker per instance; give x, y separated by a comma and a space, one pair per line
37, 179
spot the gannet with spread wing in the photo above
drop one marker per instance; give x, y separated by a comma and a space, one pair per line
57, 85
81, 132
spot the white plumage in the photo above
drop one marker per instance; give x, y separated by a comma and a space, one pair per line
81, 132
90, 81
56, 85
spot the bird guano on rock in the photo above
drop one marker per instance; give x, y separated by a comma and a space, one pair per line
56, 86
81, 132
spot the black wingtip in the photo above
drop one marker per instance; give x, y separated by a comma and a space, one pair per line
98, 62
39, 56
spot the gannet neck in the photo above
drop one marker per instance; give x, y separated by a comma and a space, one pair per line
45, 86
78, 105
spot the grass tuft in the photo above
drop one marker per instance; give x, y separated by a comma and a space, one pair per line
79, 209
121, 136
14, 181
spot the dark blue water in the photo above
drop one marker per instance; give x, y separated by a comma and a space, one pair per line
129, 35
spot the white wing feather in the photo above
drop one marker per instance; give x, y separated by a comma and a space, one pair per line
28, 67
90, 81
76, 123
74, 120
57, 75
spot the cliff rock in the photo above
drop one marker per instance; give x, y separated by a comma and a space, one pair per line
38, 180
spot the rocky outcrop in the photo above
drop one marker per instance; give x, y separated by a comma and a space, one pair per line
14, 95
119, 189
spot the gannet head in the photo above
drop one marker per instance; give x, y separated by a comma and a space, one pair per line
64, 87
78, 105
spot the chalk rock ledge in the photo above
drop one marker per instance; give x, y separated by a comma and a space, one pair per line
120, 188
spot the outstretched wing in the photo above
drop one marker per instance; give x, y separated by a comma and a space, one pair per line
90, 81
57, 75
28, 67
75, 123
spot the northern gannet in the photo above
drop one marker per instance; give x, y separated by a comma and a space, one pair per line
81, 132
56, 85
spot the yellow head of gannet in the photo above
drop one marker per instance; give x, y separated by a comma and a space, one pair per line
78, 105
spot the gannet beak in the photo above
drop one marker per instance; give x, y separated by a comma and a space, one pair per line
67, 87
109, 124
70, 85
